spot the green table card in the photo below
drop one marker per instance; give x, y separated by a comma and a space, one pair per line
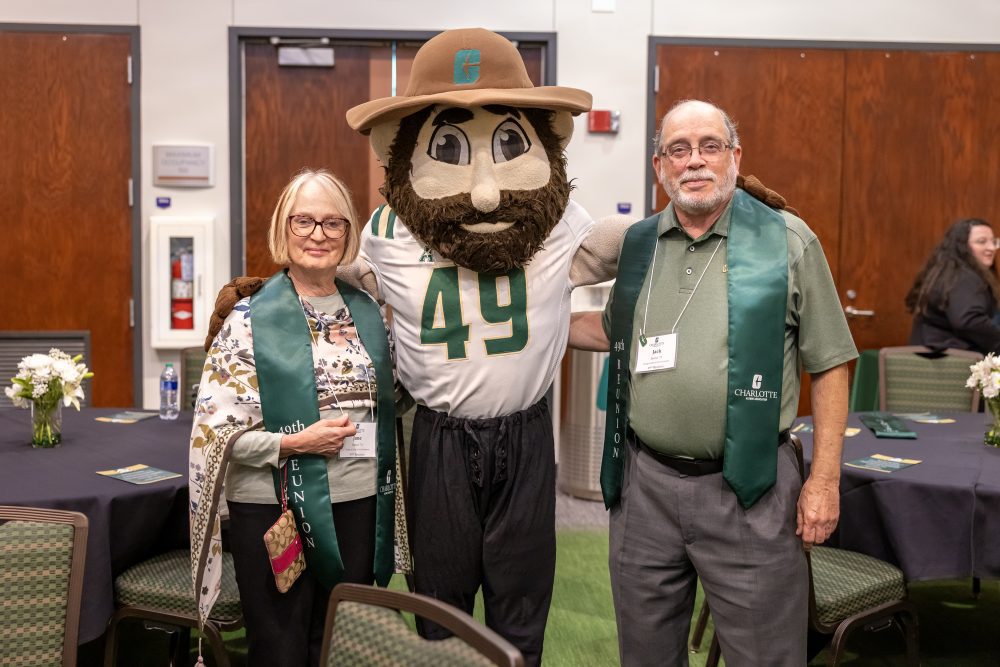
886, 425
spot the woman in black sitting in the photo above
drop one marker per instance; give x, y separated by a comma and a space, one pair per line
955, 296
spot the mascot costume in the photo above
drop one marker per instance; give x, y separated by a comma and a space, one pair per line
477, 253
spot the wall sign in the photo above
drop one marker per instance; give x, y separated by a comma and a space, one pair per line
184, 166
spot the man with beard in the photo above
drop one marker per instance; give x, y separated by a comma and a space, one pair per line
719, 302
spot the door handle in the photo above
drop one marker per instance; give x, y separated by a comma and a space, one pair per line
851, 311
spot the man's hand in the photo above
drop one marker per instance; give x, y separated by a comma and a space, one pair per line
818, 511
819, 501
231, 292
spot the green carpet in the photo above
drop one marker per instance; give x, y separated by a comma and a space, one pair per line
955, 629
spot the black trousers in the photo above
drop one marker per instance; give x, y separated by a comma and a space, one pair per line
482, 513
286, 629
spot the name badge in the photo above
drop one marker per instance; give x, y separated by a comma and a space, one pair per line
658, 354
362, 444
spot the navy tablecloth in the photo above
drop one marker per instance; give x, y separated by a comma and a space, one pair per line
935, 520
128, 522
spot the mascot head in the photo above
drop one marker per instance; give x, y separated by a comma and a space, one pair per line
474, 151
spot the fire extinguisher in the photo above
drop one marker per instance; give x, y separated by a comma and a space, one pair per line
182, 290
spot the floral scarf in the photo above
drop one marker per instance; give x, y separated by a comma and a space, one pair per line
228, 405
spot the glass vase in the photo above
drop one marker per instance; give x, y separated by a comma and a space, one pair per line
46, 424
992, 437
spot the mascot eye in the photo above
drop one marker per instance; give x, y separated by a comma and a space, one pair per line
509, 141
449, 145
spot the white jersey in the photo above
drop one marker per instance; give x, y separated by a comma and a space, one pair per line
468, 344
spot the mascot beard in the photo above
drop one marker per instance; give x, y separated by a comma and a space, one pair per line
442, 224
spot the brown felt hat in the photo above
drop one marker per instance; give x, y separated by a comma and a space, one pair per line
468, 67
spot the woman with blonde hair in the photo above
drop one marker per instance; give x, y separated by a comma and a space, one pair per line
295, 409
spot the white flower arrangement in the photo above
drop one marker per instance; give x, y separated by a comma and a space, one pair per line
45, 378
986, 376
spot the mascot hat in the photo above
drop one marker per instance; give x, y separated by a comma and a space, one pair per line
468, 67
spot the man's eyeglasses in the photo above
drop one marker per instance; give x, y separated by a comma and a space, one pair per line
303, 225
709, 151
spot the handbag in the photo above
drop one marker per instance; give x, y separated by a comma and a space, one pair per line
284, 545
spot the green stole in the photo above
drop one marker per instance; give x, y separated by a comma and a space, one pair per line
757, 292
286, 377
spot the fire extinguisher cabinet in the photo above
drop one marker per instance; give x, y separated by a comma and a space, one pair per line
180, 261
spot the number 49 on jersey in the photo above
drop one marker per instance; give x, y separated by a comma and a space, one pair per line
442, 320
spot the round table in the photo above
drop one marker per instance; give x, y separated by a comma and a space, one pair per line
936, 520
128, 522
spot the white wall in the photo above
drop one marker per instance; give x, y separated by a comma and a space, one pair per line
513, 15
184, 99
184, 70
976, 21
605, 53
121, 12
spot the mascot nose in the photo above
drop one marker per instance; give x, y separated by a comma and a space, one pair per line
485, 191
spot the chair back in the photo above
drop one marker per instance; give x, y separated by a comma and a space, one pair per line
364, 628
192, 364
16, 345
42, 554
914, 378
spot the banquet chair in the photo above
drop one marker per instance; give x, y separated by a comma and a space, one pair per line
847, 591
364, 628
42, 555
914, 378
159, 590
192, 364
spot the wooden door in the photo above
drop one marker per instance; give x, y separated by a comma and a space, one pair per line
295, 117
920, 137
788, 106
65, 163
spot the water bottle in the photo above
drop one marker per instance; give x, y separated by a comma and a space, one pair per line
169, 400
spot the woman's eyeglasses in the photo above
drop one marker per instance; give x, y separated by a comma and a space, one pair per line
303, 225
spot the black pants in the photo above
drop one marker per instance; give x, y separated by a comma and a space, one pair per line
286, 629
482, 513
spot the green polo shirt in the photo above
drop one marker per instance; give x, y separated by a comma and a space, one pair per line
683, 411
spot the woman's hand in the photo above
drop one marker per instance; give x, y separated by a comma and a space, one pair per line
325, 438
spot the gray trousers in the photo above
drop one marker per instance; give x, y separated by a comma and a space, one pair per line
668, 530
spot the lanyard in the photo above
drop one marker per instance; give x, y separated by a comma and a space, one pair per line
371, 397
652, 266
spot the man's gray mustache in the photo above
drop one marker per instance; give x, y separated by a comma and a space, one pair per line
698, 176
